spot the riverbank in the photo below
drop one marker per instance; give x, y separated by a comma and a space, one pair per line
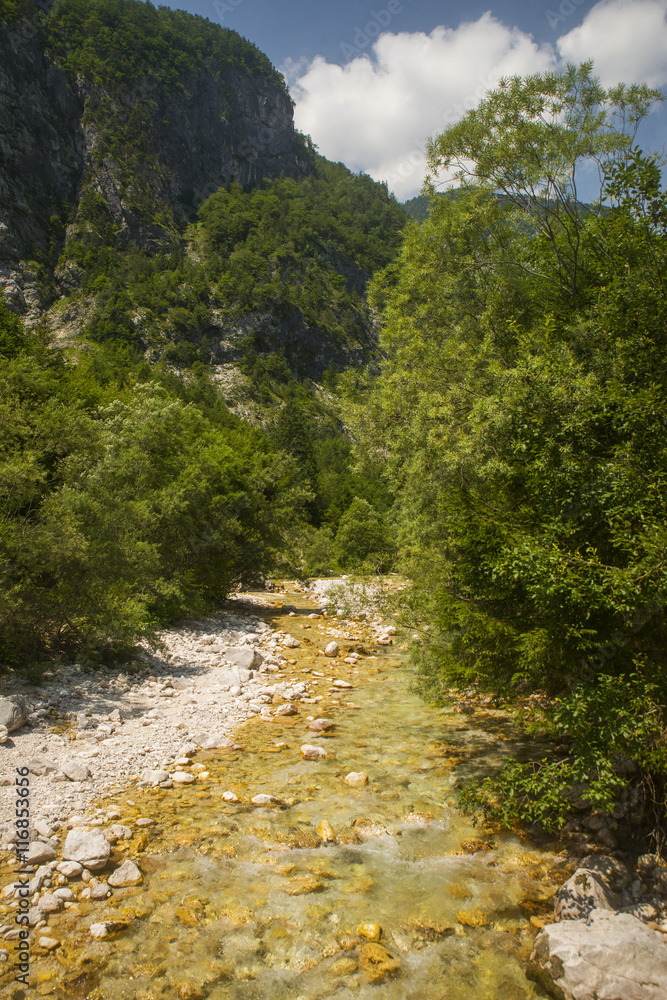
257, 801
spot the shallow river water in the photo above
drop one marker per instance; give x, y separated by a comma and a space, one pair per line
408, 901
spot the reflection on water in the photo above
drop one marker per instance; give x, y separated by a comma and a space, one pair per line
247, 903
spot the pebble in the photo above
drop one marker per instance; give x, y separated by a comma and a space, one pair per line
309, 752
356, 779
331, 649
182, 777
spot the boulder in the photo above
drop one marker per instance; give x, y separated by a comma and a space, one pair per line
153, 776
610, 870
128, 874
42, 765
612, 956
331, 649
584, 892
244, 657
89, 847
75, 771
13, 712
40, 853
321, 725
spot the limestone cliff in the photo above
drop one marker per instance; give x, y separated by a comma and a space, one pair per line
221, 123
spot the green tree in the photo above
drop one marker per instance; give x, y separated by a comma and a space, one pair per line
524, 398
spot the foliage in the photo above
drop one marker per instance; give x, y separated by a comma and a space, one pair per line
363, 541
523, 408
302, 247
117, 44
123, 505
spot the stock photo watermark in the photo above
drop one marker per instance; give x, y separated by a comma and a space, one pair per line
365, 35
566, 9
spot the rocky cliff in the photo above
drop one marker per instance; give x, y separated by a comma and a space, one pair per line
218, 123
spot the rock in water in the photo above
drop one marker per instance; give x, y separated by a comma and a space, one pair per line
325, 832
13, 712
331, 649
584, 892
128, 874
613, 956
356, 779
321, 725
309, 752
90, 848
377, 963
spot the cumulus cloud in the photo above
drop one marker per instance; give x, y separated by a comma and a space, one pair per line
627, 39
375, 112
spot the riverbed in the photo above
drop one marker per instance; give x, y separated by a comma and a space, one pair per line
336, 886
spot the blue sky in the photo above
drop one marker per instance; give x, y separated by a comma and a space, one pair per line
372, 80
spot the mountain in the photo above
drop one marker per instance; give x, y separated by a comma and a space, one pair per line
117, 122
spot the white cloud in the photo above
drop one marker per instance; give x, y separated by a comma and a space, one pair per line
375, 112
627, 39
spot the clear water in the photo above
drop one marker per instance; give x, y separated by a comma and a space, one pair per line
247, 903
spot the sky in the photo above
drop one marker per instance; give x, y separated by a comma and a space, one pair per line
372, 81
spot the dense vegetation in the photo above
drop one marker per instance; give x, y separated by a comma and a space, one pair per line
125, 500
523, 406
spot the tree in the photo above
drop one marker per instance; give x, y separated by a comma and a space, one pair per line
524, 398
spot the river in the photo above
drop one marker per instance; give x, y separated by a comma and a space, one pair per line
380, 890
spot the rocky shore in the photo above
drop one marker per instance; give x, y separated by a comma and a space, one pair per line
84, 735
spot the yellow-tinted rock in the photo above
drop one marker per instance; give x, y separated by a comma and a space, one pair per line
356, 779
472, 846
427, 929
473, 918
302, 886
372, 932
238, 915
325, 832
187, 916
377, 963
342, 967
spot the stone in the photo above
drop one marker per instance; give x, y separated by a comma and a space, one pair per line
309, 752
65, 893
331, 649
325, 832
40, 853
4, 734
41, 766
75, 771
49, 903
182, 778
153, 776
611, 870
265, 800
128, 874
70, 869
321, 725
583, 892
342, 685
100, 891
356, 779
117, 831
612, 956
48, 943
89, 847
43, 828
287, 709
230, 797
13, 712
372, 932
376, 963
290, 642
244, 657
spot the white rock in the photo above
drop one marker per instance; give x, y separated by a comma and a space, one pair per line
128, 874
310, 752
70, 869
182, 777
613, 956
48, 943
290, 642
99, 931
39, 853
49, 903
75, 771
331, 649
88, 847
265, 800
230, 797
356, 779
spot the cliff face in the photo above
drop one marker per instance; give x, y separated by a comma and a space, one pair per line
221, 124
